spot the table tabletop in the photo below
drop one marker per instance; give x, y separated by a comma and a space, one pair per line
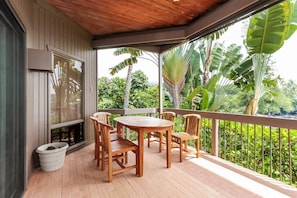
145, 124
143, 121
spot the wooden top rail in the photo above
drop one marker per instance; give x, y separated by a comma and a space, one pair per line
258, 120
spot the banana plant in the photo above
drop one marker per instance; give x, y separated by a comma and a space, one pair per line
221, 63
206, 51
215, 62
267, 32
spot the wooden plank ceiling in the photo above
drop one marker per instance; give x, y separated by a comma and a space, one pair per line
153, 25
106, 17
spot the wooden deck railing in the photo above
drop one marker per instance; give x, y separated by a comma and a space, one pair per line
267, 145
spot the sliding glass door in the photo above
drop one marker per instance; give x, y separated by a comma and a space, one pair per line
12, 105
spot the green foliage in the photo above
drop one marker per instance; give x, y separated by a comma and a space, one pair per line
192, 78
139, 81
145, 98
275, 101
143, 95
289, 90
111, 93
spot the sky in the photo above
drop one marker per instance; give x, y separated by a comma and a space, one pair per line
106, 60
285, 62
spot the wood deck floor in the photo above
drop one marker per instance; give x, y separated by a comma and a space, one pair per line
206, 176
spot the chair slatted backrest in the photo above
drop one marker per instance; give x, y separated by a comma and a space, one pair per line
95, 123
192, 124
105, 133
103, 117
96, 128
168, 115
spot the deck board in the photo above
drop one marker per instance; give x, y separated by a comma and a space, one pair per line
203, 177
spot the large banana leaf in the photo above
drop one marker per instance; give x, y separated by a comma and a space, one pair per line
232, 58
205, 101
193, 74
216, 57
243, 74
268, 29
206, 93
293, 25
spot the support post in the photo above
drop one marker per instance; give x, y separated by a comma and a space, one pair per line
160, 82
215, 137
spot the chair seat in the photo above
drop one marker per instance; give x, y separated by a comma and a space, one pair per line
158, 135
122, 145
114, 130
191, 132
184, 136
114, 136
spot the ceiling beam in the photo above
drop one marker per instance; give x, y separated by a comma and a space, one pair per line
151, 38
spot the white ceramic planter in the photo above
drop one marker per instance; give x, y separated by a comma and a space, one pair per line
51, 160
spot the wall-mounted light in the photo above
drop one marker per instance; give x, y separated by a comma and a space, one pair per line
40, 60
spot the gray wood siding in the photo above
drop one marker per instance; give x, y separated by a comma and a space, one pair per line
44, 26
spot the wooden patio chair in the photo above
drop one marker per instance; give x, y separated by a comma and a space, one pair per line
191, 132
159, 135
98, 139
115, 151
105, 118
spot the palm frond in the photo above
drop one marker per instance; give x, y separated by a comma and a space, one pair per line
126, 63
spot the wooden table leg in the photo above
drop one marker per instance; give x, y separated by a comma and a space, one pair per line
140, 150
168, 147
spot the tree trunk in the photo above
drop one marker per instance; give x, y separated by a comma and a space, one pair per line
128, 87
252, 106
207, 61
176, 97
260, 63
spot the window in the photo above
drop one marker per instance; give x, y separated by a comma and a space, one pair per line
66, 96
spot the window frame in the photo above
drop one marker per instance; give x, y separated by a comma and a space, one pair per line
66, 55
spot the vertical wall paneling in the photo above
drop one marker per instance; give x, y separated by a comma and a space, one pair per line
45, 25
42, 108
52, 31
33, 123
41, 31
35, 26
